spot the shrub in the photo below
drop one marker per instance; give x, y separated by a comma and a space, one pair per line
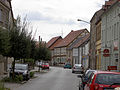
7, 79
18, 78
32, 74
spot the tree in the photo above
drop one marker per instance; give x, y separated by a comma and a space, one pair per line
4, 42
20, 41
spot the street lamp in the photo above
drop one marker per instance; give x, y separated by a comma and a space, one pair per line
83, 21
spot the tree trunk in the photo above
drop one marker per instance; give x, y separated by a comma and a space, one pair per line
13, 69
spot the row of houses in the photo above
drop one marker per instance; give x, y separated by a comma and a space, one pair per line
6, 21
74, 48
99, 49
104, 37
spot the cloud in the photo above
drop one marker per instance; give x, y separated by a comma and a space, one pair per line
50, 15
37, 16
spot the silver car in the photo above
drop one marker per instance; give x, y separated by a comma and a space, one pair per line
77, 68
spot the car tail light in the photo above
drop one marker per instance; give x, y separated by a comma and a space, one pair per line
96, 87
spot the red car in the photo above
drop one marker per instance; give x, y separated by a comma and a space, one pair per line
103, 80
45, 66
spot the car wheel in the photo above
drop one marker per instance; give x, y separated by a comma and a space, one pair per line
79, 88
72, 71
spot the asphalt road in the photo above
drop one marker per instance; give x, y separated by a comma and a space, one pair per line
56, 79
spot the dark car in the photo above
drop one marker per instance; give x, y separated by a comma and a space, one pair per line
103, 80
84, 78
68, 65
21, 69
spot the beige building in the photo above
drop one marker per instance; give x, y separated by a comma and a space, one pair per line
6, 21
64, 50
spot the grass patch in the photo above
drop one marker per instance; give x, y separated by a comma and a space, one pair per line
2, 86
17, 79
32, 74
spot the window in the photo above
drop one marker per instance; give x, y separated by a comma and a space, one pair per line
91, 78
107, 79
0, 14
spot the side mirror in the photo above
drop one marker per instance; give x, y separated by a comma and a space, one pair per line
79, 76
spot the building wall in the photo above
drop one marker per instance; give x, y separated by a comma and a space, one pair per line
5, 13
98, 45
60, 55
93, 31
75, 56
92, 43
111, 37
6, 20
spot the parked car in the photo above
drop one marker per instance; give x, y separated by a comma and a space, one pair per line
84, 78
68, 65
103, 80
21, 69
78, 68
45, 66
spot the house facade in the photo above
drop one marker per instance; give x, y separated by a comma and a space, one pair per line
6, 21
81, 51
64, 50
95, 39
110, 40
51, 44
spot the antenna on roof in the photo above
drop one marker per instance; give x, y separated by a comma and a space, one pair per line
62, 33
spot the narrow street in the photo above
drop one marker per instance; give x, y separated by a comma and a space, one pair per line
56, 79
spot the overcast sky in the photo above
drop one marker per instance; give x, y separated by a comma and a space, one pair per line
56, 17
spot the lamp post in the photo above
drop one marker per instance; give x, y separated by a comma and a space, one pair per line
83, 21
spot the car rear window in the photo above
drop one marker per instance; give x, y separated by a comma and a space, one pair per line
107, 79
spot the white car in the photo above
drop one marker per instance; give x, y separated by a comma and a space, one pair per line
77, 68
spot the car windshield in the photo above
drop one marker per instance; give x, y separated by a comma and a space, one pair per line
107, 79
88, 73
21, 67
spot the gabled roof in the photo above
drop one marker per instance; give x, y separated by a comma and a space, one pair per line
52, 41
84, 39
70, 38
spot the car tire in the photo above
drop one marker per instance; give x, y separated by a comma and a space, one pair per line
79, 88
72, 71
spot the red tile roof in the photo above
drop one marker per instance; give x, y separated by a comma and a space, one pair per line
108, 4
56, 43
82, 41
52, 41
70, 37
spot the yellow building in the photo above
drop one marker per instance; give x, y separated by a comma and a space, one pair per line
98, 45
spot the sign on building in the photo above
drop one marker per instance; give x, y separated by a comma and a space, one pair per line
106, 52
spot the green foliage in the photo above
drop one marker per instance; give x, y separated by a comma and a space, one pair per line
2, 86
29, 60
32, 74
4, 42
43, 52
7, 79
18, 78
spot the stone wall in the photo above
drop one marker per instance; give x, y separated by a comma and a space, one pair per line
5, 63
